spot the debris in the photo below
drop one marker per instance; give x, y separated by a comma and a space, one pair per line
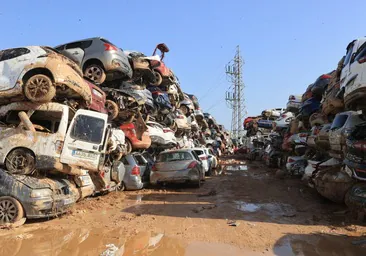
233, 223
112, 250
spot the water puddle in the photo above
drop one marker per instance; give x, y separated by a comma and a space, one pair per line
272, 209
236, 168
108, 243
317, 245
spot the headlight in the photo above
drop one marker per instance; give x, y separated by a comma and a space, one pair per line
37, 193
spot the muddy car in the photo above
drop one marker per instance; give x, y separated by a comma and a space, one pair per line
322, 139
137, 173
99, 59
39, 74
141, 67
50, 136
163, 75
29, 197
342, 126
137, 135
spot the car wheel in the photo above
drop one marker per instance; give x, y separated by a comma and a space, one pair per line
121, 186
158, 78
184, 110
95, 73
10, 210
39, 88
198, 183
112, 109
20, 161
128, 146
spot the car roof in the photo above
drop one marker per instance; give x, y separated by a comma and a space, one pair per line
86, 39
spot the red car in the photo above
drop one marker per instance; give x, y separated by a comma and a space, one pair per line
135, 138
163, 75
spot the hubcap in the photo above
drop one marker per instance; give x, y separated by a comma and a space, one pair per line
8, 211
19, 162
38, 87
94, 73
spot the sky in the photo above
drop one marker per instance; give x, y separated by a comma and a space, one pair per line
286, 45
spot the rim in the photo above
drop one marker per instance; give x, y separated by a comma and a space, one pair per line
110, 108
38, 87
94, 73
19, 162
8, 210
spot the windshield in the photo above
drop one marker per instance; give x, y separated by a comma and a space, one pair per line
174, 156
88, 129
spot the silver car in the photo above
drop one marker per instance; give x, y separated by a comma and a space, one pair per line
177, 166
99, 59
137, 174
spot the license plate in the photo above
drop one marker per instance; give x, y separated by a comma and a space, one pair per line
85, 155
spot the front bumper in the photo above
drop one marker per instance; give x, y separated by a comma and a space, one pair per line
42, 208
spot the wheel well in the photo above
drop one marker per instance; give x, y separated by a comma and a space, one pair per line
93, 61
36, 71
20, 201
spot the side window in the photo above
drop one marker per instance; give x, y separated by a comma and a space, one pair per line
124, 161
195, 155
348, 55
140, 161
13, 53
362, 53
60, 48
85, 44
74, 45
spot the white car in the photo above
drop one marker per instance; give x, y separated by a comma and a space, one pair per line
294, 103
212, 160
284, 120
275, 112
181, 120
161, 136
34, 73
355, 86
352, 48
203, 157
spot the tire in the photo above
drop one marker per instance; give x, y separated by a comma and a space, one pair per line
20, 161
95, 73
158, 78
10, 210
39, 88
112, 109
184, 110
198, 183
121, 186
209, 172
128, 146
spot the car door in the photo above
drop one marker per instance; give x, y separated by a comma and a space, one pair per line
12, 62
75, 51
85, 141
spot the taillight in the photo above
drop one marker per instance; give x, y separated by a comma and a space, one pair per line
203, 157
153, 168
290, 160
360, 145
362, 60
192, 165
128, 126
165, 130
180, 116
109, 47
135, 170
59, 145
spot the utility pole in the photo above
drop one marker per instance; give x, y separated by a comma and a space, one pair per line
235, 95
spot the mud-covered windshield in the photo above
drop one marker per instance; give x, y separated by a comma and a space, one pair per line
88, 128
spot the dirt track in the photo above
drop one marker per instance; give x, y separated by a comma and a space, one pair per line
270, 217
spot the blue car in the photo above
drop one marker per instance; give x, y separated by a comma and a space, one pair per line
309, 107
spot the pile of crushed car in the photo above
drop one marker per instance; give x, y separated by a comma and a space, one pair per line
87, 117
321, 135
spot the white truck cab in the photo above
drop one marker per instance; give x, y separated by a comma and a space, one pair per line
51, 136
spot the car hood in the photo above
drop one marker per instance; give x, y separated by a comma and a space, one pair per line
39, 183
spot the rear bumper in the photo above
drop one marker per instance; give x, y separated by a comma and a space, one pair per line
133, 182
188, 175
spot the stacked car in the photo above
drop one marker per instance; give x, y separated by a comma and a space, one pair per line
322, 135
86, 117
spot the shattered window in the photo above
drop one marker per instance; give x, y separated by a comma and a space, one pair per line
88, 129
13, 53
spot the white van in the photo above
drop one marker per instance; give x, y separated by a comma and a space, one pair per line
51, 136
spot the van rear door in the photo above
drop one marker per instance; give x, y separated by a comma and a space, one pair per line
85, 140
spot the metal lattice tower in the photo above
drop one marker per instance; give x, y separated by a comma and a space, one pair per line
235, 95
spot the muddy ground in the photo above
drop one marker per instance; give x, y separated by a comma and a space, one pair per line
240, 212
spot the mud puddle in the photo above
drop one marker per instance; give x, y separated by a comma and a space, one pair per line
109, 243
318, 245
271, 209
